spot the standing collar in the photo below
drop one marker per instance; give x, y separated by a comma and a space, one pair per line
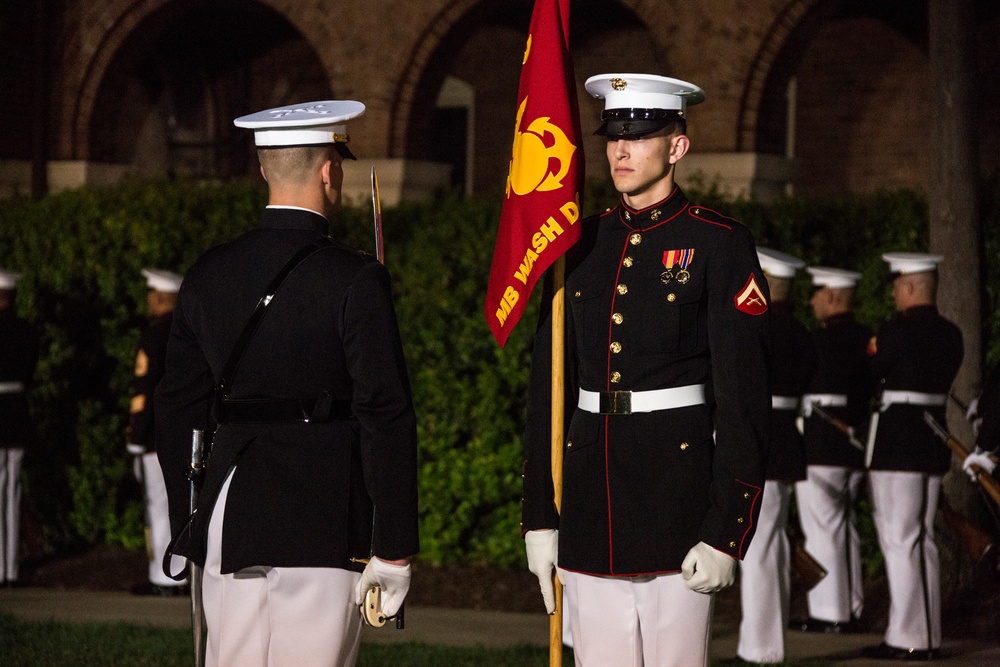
653, 216
291, 217
839, 318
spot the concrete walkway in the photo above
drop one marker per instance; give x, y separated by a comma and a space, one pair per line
453, 627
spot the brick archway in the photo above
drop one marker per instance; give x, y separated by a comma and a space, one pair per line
112, 25
788, 20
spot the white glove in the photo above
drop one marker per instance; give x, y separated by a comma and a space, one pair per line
707, 570
973, 417
393, 579
136, 451
542, 548
981, 459
973, 410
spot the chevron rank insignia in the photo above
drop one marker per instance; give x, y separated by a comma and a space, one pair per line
751, 299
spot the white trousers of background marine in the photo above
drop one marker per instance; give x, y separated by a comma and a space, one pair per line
653, 621
277, 616
765, 580
826, 512
10, 512
903, 506
157, 519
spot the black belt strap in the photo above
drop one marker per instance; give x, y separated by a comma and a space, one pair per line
264, 410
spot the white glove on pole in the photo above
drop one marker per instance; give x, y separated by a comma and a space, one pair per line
972, 411
542, 548
972, 416
707, 570
136, 451
983, 460
393, 579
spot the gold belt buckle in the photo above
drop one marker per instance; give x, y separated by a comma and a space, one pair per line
616, 402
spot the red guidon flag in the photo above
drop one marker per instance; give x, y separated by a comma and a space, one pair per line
541, 209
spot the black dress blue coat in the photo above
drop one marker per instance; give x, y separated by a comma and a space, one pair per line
303, 494
640, 490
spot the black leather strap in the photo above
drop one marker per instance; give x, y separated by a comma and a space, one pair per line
266, 410
233, 362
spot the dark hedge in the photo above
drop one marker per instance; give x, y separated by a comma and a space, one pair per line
82, 251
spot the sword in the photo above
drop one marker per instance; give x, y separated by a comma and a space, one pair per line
371, 607
838, 424
197, 602
377, 211
986, 481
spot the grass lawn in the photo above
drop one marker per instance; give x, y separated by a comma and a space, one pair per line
52, 644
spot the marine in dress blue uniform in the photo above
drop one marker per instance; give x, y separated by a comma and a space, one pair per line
913, 360
666, 324
18, 359
313, 460
834, 466
151, 353
765, 582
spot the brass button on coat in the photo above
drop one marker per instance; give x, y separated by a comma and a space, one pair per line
616, 347
622, 289
617, 318
635, 239
616, 377
671, 297
627, 261
684, 446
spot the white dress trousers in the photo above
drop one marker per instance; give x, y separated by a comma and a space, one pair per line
826, 502
157, 519
277, 616
654, 621
903, 506
10, 512
765, 580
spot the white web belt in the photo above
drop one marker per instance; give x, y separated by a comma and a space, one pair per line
627, 402
823, 401
894, 397
784, 402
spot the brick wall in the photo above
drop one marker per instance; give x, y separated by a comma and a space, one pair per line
862, 84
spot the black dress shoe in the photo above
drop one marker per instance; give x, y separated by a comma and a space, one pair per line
151, 589
830, 627
885, 652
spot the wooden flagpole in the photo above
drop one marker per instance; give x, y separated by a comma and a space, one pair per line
558, 419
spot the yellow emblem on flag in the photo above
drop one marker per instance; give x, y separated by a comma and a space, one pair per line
533, 151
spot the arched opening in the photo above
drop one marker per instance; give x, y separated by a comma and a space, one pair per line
184, 73
482, 53
862, 96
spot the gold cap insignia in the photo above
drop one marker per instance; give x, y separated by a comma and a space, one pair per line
618, 84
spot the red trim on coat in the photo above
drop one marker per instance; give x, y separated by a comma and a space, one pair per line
752, 504
711, 222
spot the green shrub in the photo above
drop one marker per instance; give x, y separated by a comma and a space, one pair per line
82, 251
